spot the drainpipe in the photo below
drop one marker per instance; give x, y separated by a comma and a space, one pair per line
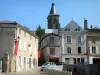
62, 36
87, 47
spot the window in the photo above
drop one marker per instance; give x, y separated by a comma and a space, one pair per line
82, 60
19, 61
68, 49
79, 49
93, 50
74, 60
67, 60
68, 29
68, 38
78, 60
52, 51
78, 39
51, 40
54, 26
77, 29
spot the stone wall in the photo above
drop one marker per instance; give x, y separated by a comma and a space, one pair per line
91, 69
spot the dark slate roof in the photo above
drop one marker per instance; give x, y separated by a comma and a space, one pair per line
53, 10
49, 35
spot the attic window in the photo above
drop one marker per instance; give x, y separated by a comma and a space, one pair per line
68, 29
77, 29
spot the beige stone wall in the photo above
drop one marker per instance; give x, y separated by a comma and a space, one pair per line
25, 50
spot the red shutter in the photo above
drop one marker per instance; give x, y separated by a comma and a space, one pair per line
52, 51
16, 48
39, 53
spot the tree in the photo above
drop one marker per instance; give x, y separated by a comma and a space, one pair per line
40, 31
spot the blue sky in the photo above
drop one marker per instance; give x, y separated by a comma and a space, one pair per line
34, 12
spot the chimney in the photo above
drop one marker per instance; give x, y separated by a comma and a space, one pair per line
91, 27
85, 24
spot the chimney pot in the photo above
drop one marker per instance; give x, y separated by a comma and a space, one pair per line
85, 24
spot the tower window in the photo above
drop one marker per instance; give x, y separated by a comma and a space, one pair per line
51, 40
52, 51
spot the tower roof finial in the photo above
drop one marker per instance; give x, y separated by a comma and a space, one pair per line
52, 1
53, 9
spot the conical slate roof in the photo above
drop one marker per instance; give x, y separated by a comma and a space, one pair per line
53, 9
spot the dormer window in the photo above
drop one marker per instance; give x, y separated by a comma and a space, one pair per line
77, 29
68, 29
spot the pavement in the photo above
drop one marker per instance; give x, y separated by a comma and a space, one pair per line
29, 72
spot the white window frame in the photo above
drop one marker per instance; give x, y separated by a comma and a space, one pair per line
71, 38
19, 61
20, 45
96, 50
24, 46
77, 37
30, 49
67, 50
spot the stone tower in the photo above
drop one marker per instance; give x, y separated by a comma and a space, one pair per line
53, 18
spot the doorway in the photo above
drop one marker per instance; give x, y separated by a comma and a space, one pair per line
24, 62
96, 60
29, 62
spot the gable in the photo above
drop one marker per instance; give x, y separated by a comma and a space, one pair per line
73, 26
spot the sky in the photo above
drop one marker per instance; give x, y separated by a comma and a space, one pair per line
31, 13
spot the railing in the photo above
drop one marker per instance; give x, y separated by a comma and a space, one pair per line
56, 72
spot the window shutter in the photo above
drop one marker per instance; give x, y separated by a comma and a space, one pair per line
65, 38
20, 45
24, 46
90, 49
30, 50
96, 50
21, 61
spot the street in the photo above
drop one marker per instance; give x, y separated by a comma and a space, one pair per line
30, 72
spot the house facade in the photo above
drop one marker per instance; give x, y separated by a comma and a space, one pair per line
50, 46
94, 45
20, 43
73, 43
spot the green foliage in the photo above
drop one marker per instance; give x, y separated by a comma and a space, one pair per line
40, 31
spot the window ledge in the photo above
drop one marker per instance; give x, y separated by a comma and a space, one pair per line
79, 43
69, 43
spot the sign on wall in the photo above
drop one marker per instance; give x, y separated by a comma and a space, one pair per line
51, 31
